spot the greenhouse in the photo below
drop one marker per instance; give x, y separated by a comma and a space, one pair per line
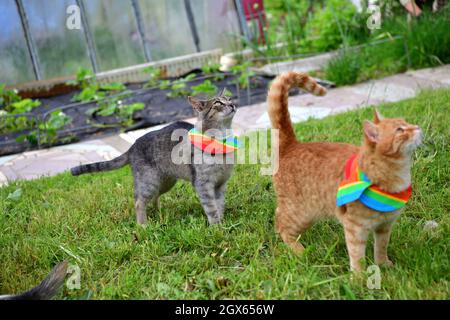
118, 52
104, 35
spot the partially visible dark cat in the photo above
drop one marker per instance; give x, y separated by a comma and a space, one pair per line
47, 289
155, 172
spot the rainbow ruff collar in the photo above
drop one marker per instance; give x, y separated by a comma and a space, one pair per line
356, 186
211, 145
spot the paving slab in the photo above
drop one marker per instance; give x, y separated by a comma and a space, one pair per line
46, 162
373, 92
439, 74
303, 65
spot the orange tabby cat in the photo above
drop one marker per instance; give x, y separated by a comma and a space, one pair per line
310, 174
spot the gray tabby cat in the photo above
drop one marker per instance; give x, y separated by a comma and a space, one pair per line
155, 173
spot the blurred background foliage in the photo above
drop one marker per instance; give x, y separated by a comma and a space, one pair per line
294, 27
310, 27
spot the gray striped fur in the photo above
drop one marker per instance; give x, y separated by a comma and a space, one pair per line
47, 289
155, 173
116, 163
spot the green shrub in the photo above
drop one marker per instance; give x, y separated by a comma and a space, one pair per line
344, 69
329, 27
11, 106
428, 39
179, 87
206, 88
154, 74
368, 62
423, 43
47, 134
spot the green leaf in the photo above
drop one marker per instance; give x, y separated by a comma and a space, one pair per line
21, 138
83, 74
228, 93
127, 110
109, 110
57, 120
15, 196
176, 86
24, 106
206, 87
347, 292
189, 77
165, 84
89, 94
211, 68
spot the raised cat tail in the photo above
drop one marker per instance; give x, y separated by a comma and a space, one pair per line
277, 100
116, 163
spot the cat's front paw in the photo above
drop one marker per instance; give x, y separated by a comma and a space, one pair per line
385, 263
214, 220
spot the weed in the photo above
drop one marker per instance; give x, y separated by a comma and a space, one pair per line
179, 88
206, 88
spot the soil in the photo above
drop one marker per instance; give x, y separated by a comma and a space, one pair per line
159, 109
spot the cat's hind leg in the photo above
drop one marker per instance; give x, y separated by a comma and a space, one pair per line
166, 184
290, 224
146, 188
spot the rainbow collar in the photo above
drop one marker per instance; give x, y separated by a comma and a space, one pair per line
356, 186
211, 145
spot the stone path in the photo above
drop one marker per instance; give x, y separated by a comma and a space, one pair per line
35, 164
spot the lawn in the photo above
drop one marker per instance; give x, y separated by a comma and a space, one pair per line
90, 221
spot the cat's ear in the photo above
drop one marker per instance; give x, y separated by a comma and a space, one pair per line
197, 104
222, 93
377, 117
370, 131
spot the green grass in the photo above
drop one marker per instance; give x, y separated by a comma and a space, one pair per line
90, 221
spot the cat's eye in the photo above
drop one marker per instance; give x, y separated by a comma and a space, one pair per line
399, 130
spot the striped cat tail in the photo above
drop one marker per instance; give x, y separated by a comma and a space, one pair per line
116, 163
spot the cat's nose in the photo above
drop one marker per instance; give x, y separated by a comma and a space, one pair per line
417, 131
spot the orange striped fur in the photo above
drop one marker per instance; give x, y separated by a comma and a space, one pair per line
309, 174
278, 98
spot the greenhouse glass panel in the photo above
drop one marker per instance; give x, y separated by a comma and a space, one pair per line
15, 61
217, 24
167, 28
61, 51
114, 29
